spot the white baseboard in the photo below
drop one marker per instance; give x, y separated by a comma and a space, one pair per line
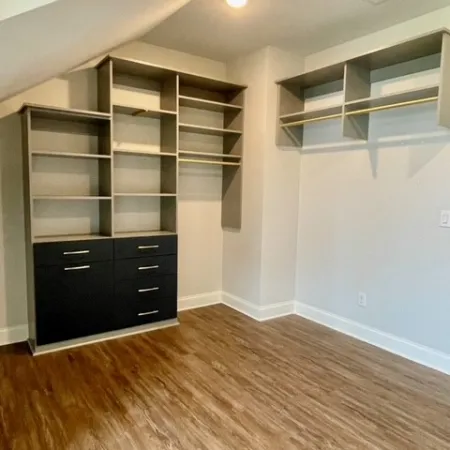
394, 344
12, 335
199, 301
260, 313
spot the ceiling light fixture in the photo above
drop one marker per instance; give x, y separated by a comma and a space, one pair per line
237, 3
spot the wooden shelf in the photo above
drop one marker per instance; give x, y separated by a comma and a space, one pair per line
316, 115
209, 105
214, 163
141, 194
65, 114
69, 155
141, 112
70, 197
209, 154
397, 100
129, 234
211, 131
123, 151
69, 237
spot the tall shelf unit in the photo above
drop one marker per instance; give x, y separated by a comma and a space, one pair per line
101, 196
351, 83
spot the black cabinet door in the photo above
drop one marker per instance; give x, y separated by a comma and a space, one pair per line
74, 301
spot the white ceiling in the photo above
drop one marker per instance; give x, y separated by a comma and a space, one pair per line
212, 29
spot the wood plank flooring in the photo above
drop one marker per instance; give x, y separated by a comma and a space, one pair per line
222, 381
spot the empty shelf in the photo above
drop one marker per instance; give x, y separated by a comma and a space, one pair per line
69, 155
125, 151
128, 234
209, 154
142, 112
212, 131
66, 114
203, 161
69, 237
316, 115
70, 197
209, 105
398, 100
141, 194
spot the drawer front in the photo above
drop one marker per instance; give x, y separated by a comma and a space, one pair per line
129, 269
155, 311
134, 292
73, 252
145, 246
74, 301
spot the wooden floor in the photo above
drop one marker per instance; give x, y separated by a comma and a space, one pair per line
222, 381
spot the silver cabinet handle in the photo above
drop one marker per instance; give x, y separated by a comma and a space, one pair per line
78, 252
77, 268
148, 290
148, 267
147, 247
156, 311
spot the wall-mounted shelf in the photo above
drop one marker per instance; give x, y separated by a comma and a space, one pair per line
140, 112
65, 114
352, 81
208, 105
71, 197
209, 154
141, 152
210, 162
143, 233
52, 154
142, 194
211, 131
68, 238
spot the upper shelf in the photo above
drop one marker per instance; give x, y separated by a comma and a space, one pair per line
397, 100
66, 114
209, 105
69, 154
211, 131
141, 112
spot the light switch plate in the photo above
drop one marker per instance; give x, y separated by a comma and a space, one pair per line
445, 219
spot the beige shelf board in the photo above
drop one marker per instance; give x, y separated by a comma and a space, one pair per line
70, 197
143, 233
317, 77
211, 131
316, 114
69, 155
143, 194
141, 112
397, 100
209, 154
124, 151
208, 105
300, 123
204, 161
68, 237
66, 114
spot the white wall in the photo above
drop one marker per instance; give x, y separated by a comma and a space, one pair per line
259, 260
13, 8
369, 212
200, 232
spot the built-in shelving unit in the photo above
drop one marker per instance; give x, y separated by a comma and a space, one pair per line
349, 85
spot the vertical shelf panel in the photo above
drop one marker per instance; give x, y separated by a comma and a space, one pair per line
232, 197
356, 86
444, 88
291, 99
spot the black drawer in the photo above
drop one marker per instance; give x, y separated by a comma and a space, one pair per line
145, 246
73, 252
75, 300
155, 311
129, 269
133, 292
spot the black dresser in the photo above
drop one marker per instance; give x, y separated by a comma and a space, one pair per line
83, 288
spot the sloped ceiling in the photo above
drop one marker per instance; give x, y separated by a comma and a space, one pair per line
51, 40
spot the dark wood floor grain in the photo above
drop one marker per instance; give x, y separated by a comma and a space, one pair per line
222, 381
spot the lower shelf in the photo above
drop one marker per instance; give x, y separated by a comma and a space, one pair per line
68, 237
204, 161
128, 234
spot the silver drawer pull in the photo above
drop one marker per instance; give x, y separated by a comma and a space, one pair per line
148, 290
78, 252
147, 247
148, 267
77, 268
150, 313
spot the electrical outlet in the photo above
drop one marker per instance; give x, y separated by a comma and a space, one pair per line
445, 219
362, 299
